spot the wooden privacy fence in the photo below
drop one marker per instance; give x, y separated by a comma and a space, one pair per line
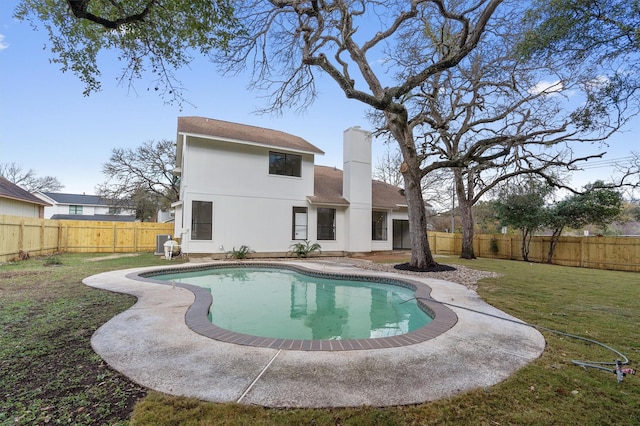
616, 253
44, 236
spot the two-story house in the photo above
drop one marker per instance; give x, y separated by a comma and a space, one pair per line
83, 207
245, 185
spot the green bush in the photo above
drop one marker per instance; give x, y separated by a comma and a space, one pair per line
241, 253
52, 260
304, 249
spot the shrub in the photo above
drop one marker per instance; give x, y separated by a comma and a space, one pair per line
493, 246
241, 253
304, 249
52, 260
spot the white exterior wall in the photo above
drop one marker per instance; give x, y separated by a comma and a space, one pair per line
357, 189
19, 208
250, 206
87, 210
340, 243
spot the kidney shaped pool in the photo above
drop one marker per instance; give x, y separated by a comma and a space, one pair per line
260, 304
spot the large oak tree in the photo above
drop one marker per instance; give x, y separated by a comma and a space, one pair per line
355, 44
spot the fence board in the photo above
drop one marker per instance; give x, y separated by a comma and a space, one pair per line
45, 236
616, 253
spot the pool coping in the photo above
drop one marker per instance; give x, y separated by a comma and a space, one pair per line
152, 345
197, 320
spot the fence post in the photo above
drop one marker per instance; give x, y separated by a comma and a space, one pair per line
435, 242
21, 236
115, 237
42, 237
135, 237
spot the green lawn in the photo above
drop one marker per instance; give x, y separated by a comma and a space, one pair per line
50, 375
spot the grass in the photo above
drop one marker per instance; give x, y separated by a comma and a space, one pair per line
49, 373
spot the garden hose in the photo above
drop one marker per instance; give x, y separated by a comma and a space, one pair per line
617, 369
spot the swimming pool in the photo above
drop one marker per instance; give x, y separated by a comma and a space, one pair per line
283, 303
289, 307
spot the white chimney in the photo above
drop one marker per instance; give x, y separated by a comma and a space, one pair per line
356, 188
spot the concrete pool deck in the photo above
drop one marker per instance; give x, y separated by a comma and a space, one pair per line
152, 345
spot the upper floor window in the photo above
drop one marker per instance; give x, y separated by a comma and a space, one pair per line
75, 209
285, 164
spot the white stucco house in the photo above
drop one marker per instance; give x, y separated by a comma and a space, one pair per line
83, 207
245, 185
15, 201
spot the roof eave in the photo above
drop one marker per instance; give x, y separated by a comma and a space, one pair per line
341, 203
39, 203
251, 143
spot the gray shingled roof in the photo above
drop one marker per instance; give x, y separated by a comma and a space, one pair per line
10, 190
241, 132
328, 190
77, 199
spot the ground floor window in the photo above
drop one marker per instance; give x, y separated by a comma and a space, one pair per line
299, 223
326, 224
401, 236
201, 220
379, 226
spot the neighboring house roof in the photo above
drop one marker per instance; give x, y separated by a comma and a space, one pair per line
95, 217
328, 190
77, 199
12, 191
209, 127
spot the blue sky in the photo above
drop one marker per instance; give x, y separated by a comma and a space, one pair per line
46, 123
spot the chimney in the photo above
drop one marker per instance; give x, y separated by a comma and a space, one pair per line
356, 188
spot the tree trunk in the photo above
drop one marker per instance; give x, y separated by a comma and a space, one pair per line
467, 230
527, 234
421, 257
555, 236
466, 216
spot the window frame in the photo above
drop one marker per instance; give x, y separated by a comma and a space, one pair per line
382, 228
292, 164
199, 231
295, 226
321, 229
75, 209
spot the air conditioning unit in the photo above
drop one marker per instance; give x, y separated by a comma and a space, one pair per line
160, 240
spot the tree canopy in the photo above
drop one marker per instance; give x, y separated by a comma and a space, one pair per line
597, 31
142, 177
149, 37
523, 207
378, 53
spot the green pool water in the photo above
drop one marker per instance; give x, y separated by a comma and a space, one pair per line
282, 303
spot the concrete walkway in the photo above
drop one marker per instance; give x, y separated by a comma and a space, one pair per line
151, 344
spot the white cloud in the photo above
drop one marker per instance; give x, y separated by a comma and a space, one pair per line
598, 82
3, 45
547, 87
